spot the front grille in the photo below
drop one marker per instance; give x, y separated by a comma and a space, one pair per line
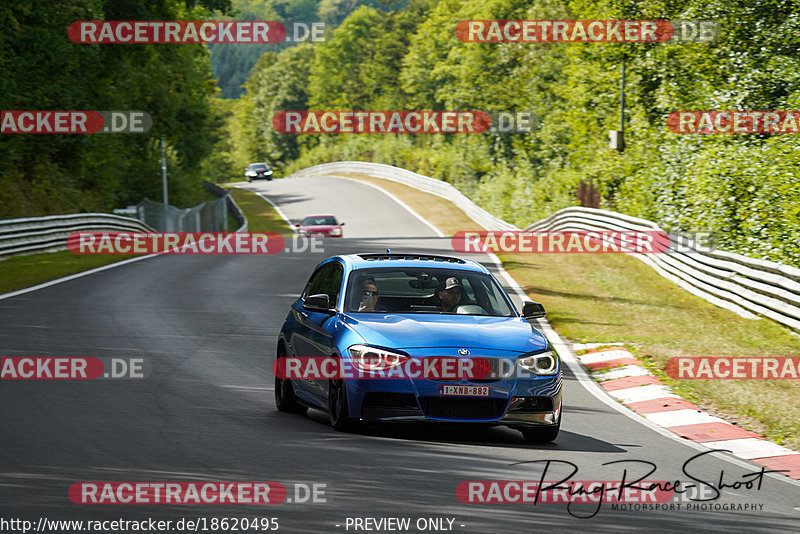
498, 369
462, 408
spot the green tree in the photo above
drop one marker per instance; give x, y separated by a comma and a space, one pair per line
44, 70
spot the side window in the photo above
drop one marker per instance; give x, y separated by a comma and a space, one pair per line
328, 281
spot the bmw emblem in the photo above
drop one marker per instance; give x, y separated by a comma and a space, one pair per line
463, 352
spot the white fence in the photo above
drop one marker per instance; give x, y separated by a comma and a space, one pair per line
744, 285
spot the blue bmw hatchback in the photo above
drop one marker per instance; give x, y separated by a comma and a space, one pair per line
393, 308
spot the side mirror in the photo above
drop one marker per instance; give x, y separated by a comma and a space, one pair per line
297, 225
318, 303
341, 224
532, 310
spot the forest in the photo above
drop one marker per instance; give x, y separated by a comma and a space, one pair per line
742, 187
384, 55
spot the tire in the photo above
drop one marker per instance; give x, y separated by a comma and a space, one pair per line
337, 406
285, 399
540, 434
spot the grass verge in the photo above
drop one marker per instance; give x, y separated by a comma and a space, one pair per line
19, 272
615, 298
260, 215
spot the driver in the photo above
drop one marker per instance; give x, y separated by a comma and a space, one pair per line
450, 296
369, 295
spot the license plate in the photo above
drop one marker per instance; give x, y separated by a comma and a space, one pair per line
463, 391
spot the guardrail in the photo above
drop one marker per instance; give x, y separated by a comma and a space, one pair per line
418, 181
736, 282
49, 234
744, 285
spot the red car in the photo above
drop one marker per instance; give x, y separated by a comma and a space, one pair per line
320, 224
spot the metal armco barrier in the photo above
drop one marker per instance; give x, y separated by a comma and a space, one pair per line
418, 181
744, 285
49, 234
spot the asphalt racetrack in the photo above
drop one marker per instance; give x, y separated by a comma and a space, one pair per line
207, 327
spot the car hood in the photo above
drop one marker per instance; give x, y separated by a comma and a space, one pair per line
410, 331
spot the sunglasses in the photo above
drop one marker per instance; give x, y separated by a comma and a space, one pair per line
369, 293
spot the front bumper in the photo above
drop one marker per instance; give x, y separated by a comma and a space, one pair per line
460, 410
512, 401
326, 233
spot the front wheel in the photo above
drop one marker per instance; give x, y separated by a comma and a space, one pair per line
540, 434
337, 406
284, 394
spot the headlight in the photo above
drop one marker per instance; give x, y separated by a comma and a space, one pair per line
544, 363
336, 231
372, 359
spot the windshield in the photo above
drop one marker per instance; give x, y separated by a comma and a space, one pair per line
320, 220
258, 167
425, 290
